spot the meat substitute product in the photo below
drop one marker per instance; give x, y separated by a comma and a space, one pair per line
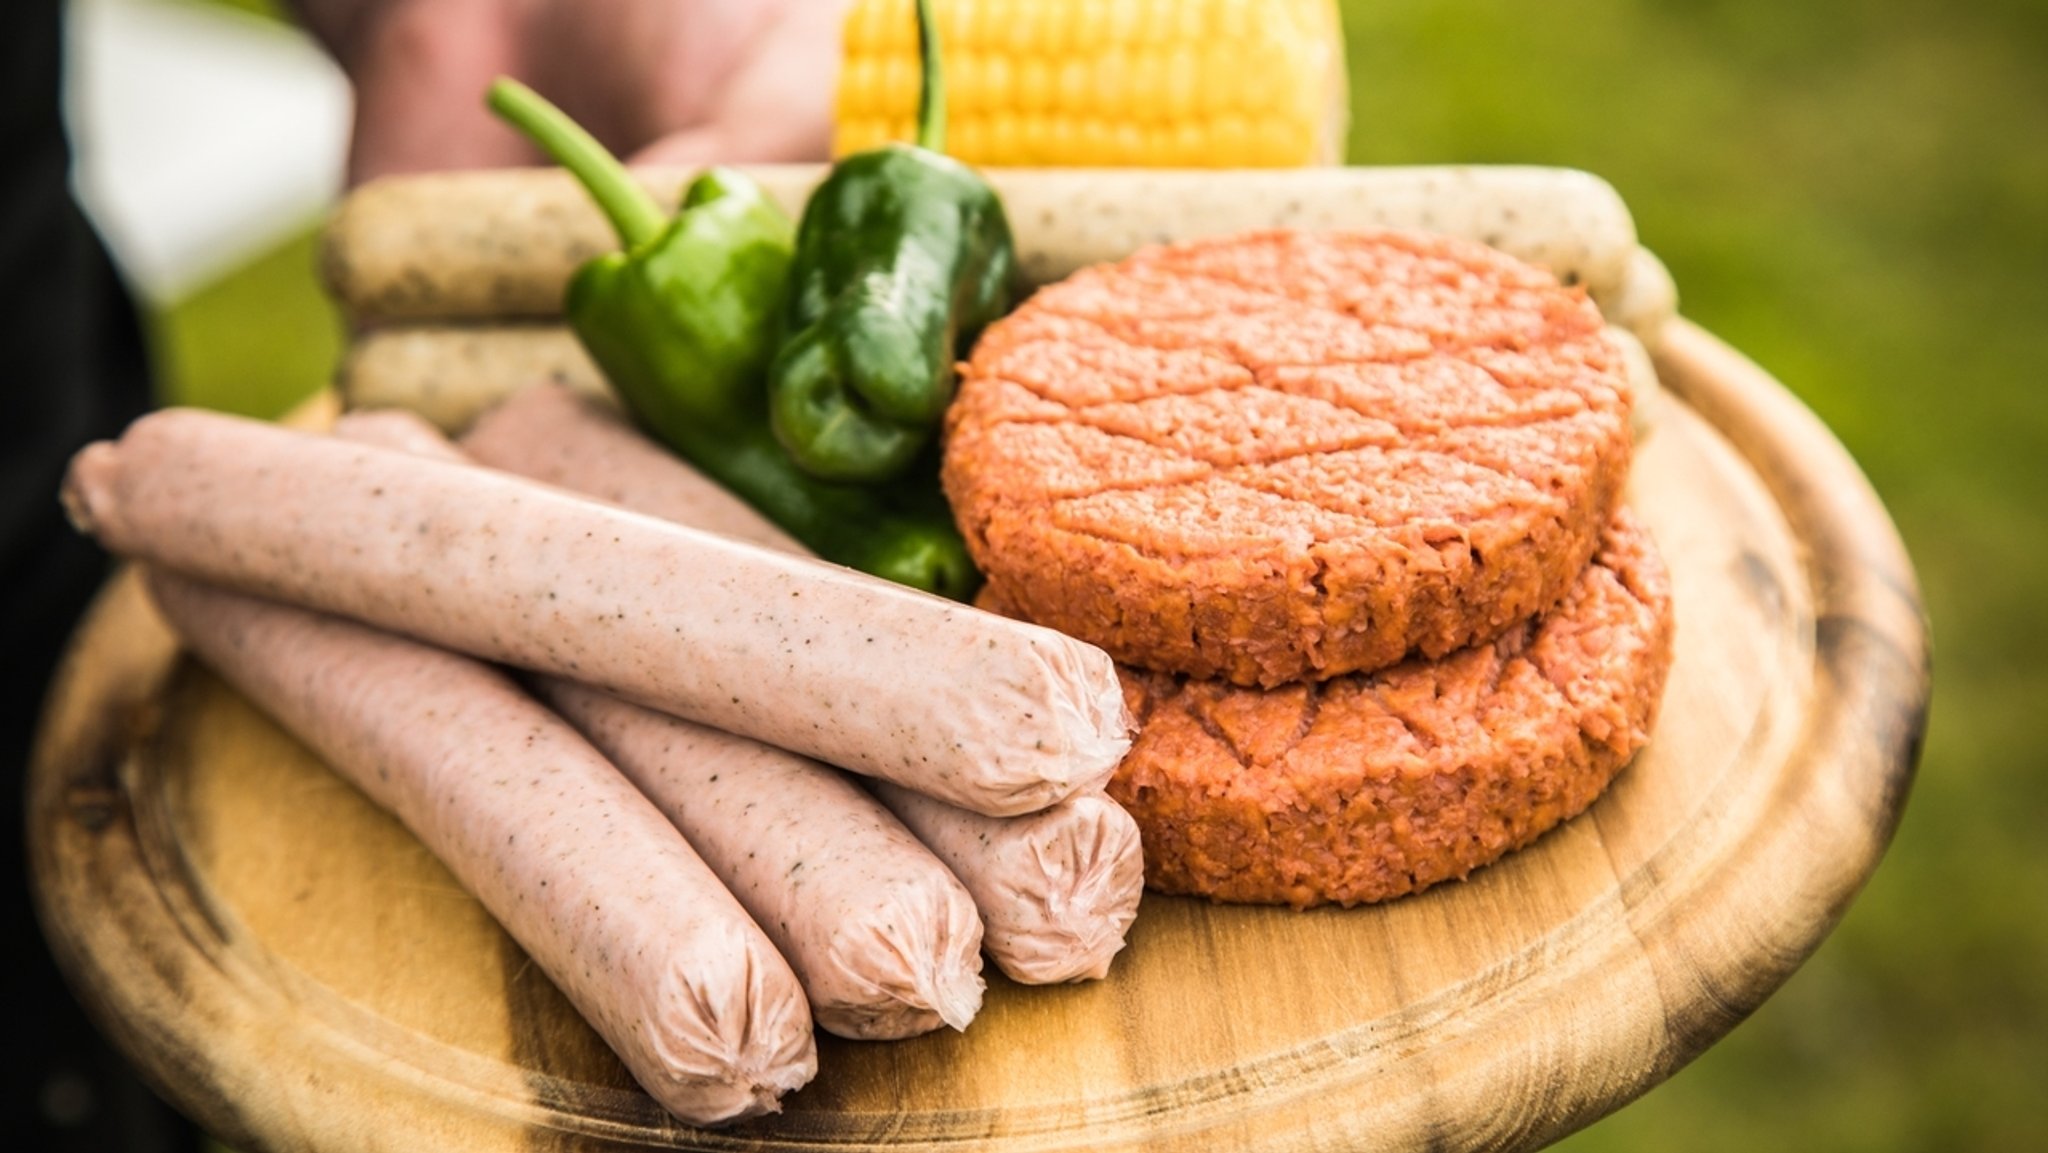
1283, 455
884, 939
550, 433
886, 942
990, 714
1368, 786
1057, 889
448, 373
591, 880
1645, 301
398, 428
502, 244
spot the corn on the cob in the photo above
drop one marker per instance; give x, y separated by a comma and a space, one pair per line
1108, 83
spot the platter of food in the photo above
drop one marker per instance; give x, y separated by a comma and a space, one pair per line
295, 970
1025, 658
890, 654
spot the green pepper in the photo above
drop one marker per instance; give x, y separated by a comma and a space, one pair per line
683, 324
903, 256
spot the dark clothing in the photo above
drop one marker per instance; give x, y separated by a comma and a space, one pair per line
75, 371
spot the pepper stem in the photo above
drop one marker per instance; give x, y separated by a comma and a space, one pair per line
631, 208
931, 92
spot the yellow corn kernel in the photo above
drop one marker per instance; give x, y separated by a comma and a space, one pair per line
999, 83
1036, 144
1182, 95
1112, 82
898, 87
1235, 22
967, 135
1128, 149
1097, 145
961, 24
1113, 98
1034, 85
1004, 137
966, 92
1230, 136
857, 96
1148, 88
1125, 23
1070, 97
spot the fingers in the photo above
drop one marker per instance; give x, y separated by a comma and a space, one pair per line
686, 149
777, 105
712, 80
632, 71
419, 72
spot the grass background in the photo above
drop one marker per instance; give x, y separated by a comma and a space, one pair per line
1856, 194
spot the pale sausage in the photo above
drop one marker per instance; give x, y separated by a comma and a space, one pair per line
883, 938
550, 434
475, 245
990, 714
885, 941
449, 373
1057, 890
399, 428
594, 883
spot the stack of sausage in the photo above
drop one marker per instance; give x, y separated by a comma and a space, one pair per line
453, 282
646, 803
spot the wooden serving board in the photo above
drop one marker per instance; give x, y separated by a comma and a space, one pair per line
296, 972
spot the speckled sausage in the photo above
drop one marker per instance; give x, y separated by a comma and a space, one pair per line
1649, 397
589, 878
399, 428
474, 245
993, 715
1057, 890
551, 434
882, 936
1645, 300
885, 941
449, 373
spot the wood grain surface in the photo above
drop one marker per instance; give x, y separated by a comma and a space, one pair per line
295, 971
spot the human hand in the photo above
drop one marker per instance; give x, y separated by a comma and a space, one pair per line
662, 81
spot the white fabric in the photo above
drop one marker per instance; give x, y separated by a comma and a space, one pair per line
202, 136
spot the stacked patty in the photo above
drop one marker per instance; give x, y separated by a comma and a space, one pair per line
1263, 472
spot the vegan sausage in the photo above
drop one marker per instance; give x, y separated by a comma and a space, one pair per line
589, 878
549, 433
449, 373
883, 938
1057, 889
990, 714
475, 245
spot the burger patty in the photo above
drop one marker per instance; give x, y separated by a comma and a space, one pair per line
1370, 786
1290, 455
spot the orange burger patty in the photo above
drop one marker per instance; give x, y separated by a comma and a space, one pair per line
1370, 786
1288, 455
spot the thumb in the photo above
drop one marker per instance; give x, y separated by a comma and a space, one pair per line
691, 146
726, 144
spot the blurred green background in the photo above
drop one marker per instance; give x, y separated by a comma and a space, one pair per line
1856, 194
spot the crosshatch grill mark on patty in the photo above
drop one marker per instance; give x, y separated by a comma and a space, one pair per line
1285, 455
